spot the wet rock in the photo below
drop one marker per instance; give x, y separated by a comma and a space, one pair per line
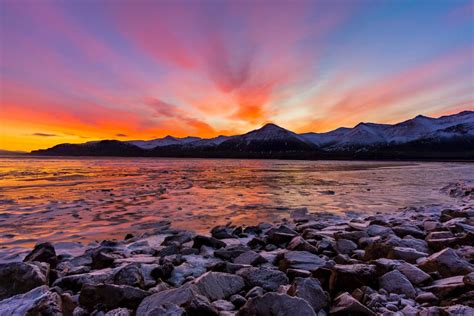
43, 253
301, 260
345, 246
345, 304
311, 291
217, 285
273, 304
200, 241
111, 296
21, 277
38, 301
408, 254
396, 282
179, 296
130, 275
281, 235
223, 305
103, 257
269, 279
447, 263
352, 276
250, 257
415, 275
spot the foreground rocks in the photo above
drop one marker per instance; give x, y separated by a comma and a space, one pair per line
414, 262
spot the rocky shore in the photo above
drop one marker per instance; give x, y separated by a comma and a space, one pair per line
414, 262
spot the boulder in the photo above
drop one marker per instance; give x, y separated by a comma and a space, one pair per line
181, 296
21, 277
200, 241
447, 286
345, 304
130, 275
231, 252
75, 282
111, 296
179, 238
43, 253
269, 279
377, 230
395, 282
300, 244
345, 246
250, 257
301, 260
311, 291
217, 285
447, 263
194, 266
415, 275
404, 253
200, 305
222, 232
273, 304
38, 301
405, 229
351, 276
223, 305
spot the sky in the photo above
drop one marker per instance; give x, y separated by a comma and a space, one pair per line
75, 71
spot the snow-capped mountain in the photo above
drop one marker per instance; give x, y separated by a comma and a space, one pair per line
446, 137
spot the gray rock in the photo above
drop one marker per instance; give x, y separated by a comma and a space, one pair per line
469, 279
218, 285
130, 275
254, 292
298, 243
404, 253
345, 304
426, 297
459, 310
445, 287
345, 246
301, 260
231, 252
311, 291
351, 276
415, 275
238, 300
194, 266
405, 229
200, 305
377, 230
250, 257
223, 305
269, 279
168, 309
21, 277
111, 296
273, 304
39, 301
207, 241
43, 253
179, 296
447, 263
119, 312
76, 281
396, 282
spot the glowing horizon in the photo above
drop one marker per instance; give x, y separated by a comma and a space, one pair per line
79, 71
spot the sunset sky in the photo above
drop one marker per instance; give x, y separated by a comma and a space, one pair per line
75, 71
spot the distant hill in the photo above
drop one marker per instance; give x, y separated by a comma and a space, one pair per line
446, 137
11, 153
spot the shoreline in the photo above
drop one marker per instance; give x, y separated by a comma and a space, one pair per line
407, 263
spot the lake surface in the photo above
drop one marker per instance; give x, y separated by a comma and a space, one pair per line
74, 202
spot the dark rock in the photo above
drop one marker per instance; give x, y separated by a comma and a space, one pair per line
130, 275
352, 276
301, 260
281, 235
257, 243
415, 275
354, 236
179, 296
169, 250
223, 305
38, 301
222, 232
200, 240
295, 273
21, 277
377, 230
298, 243
238, 300
447, 263
43, 253
119, 312
408, 254
250, 257
217, 285
345, 304
311, 291
200, 306
273, 304
103, 257
231, 252
268, 279
345, 246
447, 286
469, 279
163, 271
395, 282
254, 292
111, 296
179, 238
75, 282
426, 297
404, 230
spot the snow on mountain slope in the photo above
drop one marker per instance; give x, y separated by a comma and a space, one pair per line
324, 139
208, 142
161, 142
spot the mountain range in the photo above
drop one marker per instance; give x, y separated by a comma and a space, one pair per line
446, 137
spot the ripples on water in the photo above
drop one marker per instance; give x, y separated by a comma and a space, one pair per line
72, 201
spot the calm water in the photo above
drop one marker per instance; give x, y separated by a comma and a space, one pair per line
78, 201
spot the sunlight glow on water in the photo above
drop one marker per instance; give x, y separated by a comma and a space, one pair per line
84, 200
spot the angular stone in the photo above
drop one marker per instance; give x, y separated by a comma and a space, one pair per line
76, 281
238, 300
407, 254
38, 301
301, 260
269, 279
377, 230
119, 312
217, 285
447, 263
447, 286
178, 238
111, 296
311, 291
231, 252
345, 304
21, 277
352, 276
200, 305
181, 296
396, 282
298, 243
43, 253
273, 304
345, 246
200, 240
194, 266
223, 305
469, 279
426, 297
404, 230
130, 275
250, 257
415, 275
